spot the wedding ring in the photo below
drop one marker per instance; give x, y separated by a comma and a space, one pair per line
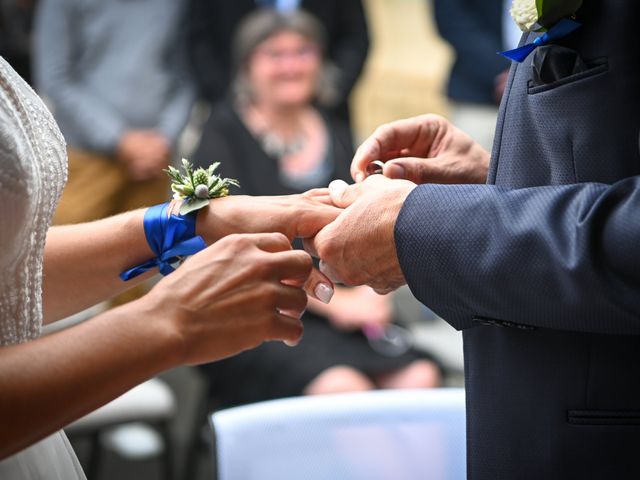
375, 167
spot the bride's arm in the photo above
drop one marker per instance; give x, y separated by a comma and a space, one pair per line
51, 381
225, 299
82, 262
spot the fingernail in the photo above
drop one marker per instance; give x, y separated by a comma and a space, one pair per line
359, 177
338, 186
323, 292
289, 343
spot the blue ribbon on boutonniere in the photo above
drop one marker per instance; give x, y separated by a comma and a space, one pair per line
170, 237
561, 29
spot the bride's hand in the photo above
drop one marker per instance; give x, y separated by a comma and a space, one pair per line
296, 216
232, 296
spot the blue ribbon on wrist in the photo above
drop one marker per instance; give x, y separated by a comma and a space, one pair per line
170, 238
561, 29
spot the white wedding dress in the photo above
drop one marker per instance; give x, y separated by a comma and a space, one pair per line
32, 174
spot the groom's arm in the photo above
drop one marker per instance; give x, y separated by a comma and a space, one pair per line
562, 257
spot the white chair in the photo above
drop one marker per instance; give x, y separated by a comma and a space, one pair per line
151, 403
379, 435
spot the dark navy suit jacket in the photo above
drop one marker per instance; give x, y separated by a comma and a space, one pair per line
541, 268
474, 30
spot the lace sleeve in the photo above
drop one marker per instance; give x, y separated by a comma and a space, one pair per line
14, 188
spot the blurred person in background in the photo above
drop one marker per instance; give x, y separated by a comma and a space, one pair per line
115, 76
270, 136
213, 23
15, 34
477, 30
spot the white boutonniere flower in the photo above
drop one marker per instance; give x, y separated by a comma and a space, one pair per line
541, 15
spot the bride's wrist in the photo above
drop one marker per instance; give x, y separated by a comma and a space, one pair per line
212, 221
165, 341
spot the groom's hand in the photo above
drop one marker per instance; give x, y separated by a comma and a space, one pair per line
423, 149
358, 248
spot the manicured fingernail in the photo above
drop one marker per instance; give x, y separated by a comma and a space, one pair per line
323, 292
337, 186
290, 343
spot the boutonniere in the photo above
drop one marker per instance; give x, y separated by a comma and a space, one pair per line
553, 17
541, 15
195, 188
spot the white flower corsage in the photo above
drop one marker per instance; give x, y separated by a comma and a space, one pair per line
195, 188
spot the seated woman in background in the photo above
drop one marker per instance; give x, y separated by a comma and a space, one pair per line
271, 137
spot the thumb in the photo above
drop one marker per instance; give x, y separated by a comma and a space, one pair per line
342, 194
417, 170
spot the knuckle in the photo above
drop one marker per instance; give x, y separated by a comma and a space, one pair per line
269, 296
432, 117
274, 320
261, 266
329, 250
237, 241
324, 246
305, 260
281, 238
382, 129
301, 299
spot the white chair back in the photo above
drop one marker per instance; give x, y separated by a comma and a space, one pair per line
380, 435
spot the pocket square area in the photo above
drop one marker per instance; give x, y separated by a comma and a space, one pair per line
554, 62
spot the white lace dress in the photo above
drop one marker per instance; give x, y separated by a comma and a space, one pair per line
32, 174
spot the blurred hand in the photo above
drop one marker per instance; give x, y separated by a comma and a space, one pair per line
296, 216
424, 149
144, 153
234, 295
358, 248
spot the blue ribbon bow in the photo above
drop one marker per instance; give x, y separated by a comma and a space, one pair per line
170, 237
561, 29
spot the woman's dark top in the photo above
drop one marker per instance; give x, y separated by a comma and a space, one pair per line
226, 139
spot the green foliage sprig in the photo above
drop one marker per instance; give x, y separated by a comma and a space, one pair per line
197, 187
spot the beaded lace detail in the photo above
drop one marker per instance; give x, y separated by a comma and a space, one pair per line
33, 170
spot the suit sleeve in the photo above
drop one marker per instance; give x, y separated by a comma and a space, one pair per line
558, 257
